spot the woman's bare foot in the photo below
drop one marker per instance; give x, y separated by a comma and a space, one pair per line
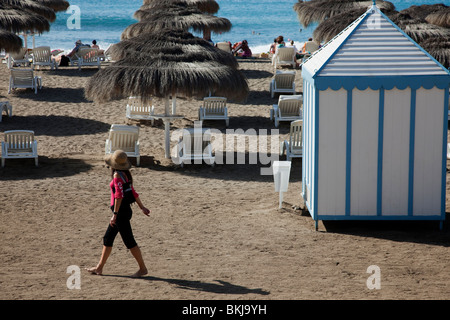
95, 270
140, 273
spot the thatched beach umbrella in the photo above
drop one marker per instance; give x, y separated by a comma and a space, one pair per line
165, 76
171, 43
440, 18
15, 20
331, 27
174, 17
439, 48
9, 41
31, 6
56, 5
207, 6
320, 10
422, 11
418, 28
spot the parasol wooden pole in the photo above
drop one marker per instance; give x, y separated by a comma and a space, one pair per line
167, 127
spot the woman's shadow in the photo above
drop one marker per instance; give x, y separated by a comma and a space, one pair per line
222, 287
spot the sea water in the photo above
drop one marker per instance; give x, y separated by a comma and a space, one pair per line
257, 21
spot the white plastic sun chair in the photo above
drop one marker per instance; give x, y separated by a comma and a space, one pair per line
5, 106
194, 146
282, 82
310, 48
294, 146
224, 46
214, 108
87, 57
24, 78
136, 110
19, 144
284, 56
42, 56
126, 138
20, 58
289, 108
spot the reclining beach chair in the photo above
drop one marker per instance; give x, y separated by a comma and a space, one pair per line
282, 82
294, 146
24, 78
284, 56
310, 48
20, 58
19, 144
195, 147
214, 108
126, 138
136, 110
42, 56
289, 108
224, 46
5, 106
87, 57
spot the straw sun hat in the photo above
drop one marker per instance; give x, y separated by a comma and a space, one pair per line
118, 160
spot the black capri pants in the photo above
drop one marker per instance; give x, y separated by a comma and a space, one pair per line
122, 226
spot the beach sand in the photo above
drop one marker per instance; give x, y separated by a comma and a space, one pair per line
214, 232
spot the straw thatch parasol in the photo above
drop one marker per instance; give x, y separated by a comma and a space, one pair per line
174, 17
31, 7
208, 6
56, 5
418, 28
331, 27
440, 18
171, 43
320, 10
439, 48
9, 41
422, 11
16, 20
163, 76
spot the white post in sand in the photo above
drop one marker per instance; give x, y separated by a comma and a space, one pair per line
281, 172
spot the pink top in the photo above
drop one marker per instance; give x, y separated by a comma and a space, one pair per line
117, 185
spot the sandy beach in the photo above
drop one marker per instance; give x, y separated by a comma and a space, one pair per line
214, 232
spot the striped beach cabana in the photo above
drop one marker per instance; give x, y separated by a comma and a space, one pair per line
375, 126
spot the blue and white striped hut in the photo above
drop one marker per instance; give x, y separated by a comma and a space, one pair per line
375, 126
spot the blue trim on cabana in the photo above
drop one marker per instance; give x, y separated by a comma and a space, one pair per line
315, 178
412, 138
377, 82
444, 154
380, 153
348, 163
375, 217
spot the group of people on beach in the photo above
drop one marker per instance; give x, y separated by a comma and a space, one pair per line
279, 42
63, 60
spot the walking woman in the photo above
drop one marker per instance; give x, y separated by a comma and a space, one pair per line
120, 220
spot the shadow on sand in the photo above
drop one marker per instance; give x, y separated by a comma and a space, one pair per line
221, 287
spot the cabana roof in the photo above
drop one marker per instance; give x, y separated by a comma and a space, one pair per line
373, 52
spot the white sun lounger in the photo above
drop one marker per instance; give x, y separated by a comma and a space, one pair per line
19, 144
214, 108
294, 146
126, 138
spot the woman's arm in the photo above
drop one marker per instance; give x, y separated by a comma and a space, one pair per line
144, 209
